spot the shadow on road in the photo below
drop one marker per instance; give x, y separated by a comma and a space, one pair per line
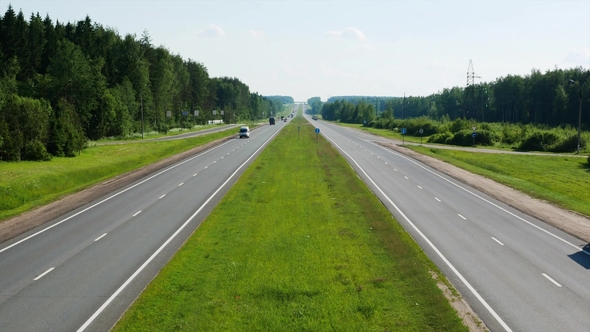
582, 257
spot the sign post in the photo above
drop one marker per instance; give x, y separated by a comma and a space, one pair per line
474, 134
317, 131
298, 129
421, 132
403, 135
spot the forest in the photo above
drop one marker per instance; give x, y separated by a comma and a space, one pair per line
62, 85
540, 111
551, 98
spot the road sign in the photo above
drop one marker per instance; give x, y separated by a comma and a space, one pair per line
214, 112
317, 130
473, 135
474, 127
403, 131
168, 114
421, 131
196, 113
184, 113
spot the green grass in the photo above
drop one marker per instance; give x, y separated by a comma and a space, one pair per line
25, 185
564, 181
298, 244
385, 133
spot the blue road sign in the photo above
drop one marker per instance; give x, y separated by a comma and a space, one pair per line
317, 130
473, 135
184, 113
403, 131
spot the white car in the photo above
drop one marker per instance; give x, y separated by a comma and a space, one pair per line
245, 132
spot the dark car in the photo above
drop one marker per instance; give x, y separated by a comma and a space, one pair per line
271, 121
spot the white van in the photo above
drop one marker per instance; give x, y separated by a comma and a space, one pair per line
245, 132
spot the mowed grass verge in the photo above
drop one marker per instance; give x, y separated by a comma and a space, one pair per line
561, 180
25, 185
298, 244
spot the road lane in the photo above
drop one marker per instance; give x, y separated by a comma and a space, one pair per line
57, 276
517, 280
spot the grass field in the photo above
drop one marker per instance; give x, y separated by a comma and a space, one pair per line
25, 185
298, 244
564, 181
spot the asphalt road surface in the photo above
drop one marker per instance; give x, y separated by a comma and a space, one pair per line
518, 273
81, 271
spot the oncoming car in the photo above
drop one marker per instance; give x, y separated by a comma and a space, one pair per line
245, 132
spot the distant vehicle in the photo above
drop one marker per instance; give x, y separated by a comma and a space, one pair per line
314, 117
282, 117
245, 132
271, 121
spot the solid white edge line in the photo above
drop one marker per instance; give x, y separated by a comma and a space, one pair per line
162, 196
461, 216
493, 238
112, 196
432, 246
100, 237
551, 279
136, 213
136, 273
43, 274
487, 201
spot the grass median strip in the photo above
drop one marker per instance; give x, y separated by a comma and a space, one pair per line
298, 244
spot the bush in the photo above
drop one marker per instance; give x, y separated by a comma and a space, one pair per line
35, 150
566, 145
539, 141
440, 137
486, 138
462, 138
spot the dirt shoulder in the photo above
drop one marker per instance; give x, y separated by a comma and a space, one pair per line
568, 221
29, 220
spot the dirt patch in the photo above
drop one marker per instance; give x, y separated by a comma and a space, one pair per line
31, 219
463, 309
568, 221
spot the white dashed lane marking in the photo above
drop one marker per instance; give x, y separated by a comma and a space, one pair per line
493, 238
43, 274
136, 213
100, 237
551, 279
462, 217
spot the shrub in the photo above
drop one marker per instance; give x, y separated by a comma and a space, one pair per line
440, 137
539, 141
462, 138
485, 137
35, 150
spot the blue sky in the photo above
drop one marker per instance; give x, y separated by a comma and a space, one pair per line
332, 48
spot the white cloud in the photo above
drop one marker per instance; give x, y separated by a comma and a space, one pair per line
213, 31
579, 56
255, 34
350, 33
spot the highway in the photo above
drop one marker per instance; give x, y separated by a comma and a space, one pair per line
516, 272
81, 271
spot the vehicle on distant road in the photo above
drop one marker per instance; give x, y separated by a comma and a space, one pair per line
245, 132
314, 117
271, 121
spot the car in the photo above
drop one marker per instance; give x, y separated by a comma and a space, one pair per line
271, 121
245, 132
314, 117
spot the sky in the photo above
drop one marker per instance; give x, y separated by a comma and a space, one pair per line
307, 49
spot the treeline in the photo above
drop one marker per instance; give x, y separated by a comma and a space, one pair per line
63, 84
283, 99
545, 99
